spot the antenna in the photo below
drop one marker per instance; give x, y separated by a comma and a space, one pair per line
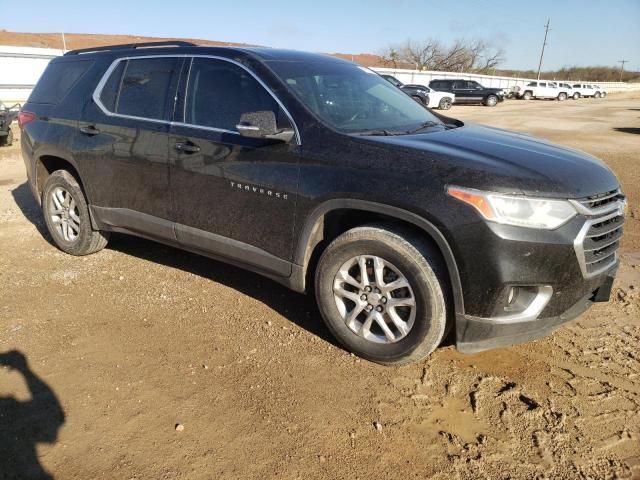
544, 43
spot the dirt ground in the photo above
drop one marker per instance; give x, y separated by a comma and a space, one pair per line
169, 365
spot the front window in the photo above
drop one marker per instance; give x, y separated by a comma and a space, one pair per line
352, 99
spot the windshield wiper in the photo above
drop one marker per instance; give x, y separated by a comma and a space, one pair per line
380, 133
427, 124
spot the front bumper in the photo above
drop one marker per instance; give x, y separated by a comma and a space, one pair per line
475, 334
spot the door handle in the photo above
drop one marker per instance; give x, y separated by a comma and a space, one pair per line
89, 130
187, 147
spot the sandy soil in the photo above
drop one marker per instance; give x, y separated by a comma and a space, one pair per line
140, 338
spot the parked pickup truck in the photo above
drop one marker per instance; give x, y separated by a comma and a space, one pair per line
542, 90
432, 99
7, 115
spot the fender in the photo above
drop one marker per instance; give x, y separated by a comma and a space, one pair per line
431, 230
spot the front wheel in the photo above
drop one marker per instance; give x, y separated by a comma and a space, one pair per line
383, 294
66, 215
562, 97
603, 94
576, 96
596, 95
445, 103
527, 96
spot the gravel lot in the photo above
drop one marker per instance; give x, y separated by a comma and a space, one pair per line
170, 365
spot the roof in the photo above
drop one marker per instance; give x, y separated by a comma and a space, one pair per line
172, 47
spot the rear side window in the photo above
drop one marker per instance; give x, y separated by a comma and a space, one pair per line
143, 88
57, 80
219, 92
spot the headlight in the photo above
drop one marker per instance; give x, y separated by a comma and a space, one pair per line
515, 210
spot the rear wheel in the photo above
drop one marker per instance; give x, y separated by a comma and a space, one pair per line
382, 294
66, 215
596, 95
562, 96
445, 103
491, 101
576, 96
603, 94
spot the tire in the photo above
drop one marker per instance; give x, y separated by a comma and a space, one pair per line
416, 262
562, 97
527, 95
576, 96
62, 190
596, 95
603, 94
491, 101
445, 103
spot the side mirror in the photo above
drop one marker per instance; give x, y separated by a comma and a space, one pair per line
263, 125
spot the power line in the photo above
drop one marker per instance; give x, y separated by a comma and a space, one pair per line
622, 62
544, 44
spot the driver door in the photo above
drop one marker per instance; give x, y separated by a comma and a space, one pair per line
232, 196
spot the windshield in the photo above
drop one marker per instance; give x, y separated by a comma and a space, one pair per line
353, 99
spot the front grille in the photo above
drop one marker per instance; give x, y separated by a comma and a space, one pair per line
597, 201
598, 241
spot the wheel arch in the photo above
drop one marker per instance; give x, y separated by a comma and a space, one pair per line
48, 163
333, 217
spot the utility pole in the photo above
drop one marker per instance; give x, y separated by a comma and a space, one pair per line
544, 44
622, 62
64, 43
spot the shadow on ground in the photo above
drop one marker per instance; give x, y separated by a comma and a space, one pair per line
635, 130
23, 424
299, 309
30, 209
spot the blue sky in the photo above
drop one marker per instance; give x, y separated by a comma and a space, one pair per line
584, 32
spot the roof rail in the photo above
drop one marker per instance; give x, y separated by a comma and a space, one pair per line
129, 46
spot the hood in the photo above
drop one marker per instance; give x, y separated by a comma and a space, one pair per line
500, 160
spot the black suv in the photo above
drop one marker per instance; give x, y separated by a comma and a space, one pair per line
469, 91
321, 175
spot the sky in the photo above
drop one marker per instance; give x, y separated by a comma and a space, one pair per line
583, 32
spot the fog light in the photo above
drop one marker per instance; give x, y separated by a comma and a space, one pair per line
520, 297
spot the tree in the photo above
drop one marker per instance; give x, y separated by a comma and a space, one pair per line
463, 55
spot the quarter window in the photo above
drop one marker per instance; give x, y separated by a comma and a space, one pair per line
143, 88
219, 92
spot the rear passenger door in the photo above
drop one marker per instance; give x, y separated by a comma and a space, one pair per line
122, 143
232, 196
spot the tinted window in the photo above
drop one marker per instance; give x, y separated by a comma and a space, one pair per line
532, 84
460, 84
148, 86
219, 92
57, 80
109, 95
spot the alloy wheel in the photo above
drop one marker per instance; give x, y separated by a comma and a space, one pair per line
64, 214
374, 299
